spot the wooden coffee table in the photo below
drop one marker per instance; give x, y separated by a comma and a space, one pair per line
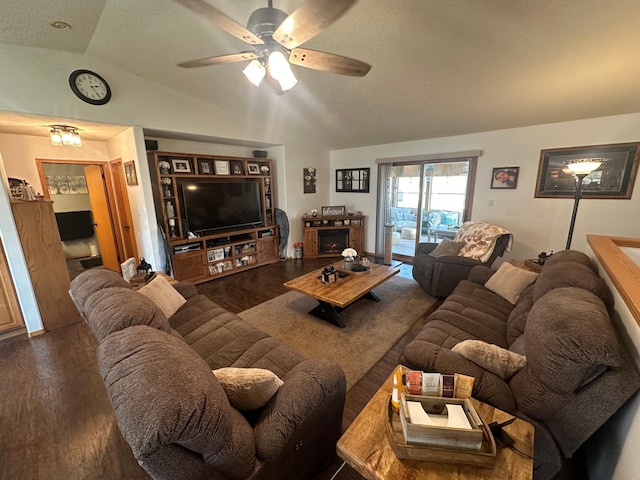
333, 298
366, 447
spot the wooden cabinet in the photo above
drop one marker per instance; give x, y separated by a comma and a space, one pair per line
327, 236
10, 314
42, 248
219, 252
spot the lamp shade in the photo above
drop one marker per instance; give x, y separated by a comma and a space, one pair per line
255, 72
584, 166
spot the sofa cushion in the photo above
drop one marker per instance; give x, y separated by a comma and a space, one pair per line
248, 388
115, 308
509, 281
143, 367
569, 340
447, 247
571, 274
518, 317
90, 281
491, 357
160, 292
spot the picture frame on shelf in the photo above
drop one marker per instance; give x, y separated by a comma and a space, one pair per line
204, 167
181, 165
253, 168
613, 179
237, 168
333, 210
504, 177
221, 167
130, 173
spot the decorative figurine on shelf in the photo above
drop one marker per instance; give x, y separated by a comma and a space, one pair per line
166, 189
144, 267
314, 212
164, 167
349, 255
169, 209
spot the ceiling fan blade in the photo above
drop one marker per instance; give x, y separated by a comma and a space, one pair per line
328, 62
308, 20
220, 20
233, 58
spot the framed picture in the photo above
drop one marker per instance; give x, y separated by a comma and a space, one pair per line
236, 168
130, 173
254, 168
309, 177
352, 180
504, 177
221, 167
180, 165
204, 166
613, 179
333, 210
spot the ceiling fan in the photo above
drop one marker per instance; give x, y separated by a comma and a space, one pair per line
275, 38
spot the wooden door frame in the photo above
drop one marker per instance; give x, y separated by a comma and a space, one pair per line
119, 184
40, 162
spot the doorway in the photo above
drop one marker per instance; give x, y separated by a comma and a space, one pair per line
425, 201
87, 203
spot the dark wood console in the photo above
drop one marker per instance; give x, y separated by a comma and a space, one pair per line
220, 253
327, 236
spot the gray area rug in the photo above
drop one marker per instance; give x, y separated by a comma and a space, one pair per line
372, 327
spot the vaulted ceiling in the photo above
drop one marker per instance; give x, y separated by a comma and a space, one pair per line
439, 67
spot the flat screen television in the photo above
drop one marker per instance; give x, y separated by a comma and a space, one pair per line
213, 205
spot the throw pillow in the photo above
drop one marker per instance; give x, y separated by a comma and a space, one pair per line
447, 247
510, 281
248, 388
491, 357
160, 292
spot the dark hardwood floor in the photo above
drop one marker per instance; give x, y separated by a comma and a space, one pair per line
56, 421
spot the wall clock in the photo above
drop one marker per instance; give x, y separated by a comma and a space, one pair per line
90, 87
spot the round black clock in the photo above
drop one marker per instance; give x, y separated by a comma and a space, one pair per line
90, 87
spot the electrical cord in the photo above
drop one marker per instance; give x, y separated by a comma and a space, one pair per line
520, 452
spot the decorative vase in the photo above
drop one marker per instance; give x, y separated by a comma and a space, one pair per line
348, 263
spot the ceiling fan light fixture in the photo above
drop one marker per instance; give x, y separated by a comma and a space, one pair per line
280, 70
255, 72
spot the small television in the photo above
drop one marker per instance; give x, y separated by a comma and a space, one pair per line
213, 205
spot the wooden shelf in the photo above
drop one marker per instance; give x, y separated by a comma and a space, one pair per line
197, 264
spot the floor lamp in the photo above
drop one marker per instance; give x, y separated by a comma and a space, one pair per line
581, 168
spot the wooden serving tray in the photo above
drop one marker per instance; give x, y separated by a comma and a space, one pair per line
484, 457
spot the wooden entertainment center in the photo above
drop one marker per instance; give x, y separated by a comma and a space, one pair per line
223, 252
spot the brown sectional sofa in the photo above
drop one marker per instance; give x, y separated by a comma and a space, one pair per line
577, 373
174, 413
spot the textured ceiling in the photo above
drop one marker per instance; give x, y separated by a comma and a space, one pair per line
440, 67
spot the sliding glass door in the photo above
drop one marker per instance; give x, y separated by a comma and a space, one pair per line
425, 201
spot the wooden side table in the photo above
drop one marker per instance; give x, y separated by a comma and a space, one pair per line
365, 446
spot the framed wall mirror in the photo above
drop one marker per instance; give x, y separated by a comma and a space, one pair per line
353, 180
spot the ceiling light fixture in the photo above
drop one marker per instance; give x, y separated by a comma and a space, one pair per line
64, 135
60, 25
276, 65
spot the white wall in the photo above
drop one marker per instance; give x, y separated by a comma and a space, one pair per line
538, 224
612, 451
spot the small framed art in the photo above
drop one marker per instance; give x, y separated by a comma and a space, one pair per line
221, 167
333, 210
180, 165
236, 168
253, 168
204, 166
130, 173
504, 177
